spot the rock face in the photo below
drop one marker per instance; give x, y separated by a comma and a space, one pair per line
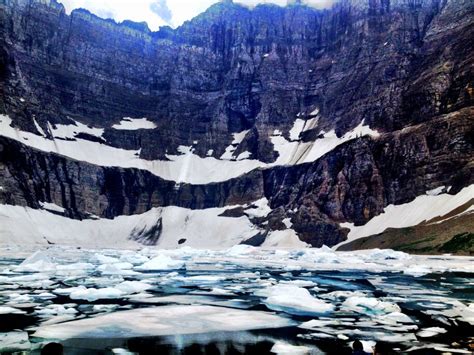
257, 90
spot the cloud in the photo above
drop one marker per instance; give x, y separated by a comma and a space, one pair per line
163, 12
160, 7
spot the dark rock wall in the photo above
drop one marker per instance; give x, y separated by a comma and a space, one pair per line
405, 67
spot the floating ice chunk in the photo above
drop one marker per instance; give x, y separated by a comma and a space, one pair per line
56, 309
14, 341
336, 295
241, 250
130, 287
161, 262
104, 259
369, 305
388, 254
295, 300
10, 310
368, 345
201, 279
394, 318
94, 294
76, 267
122, 351
38, 262
445, 350
104, 307
19, 298
288, 349
135, 259
299, 283
116, 269
416, 270
164, 320
46, 295
68, 290
431, 332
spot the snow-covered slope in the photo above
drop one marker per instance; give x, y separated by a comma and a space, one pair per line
177, 227
421, 209
183, 167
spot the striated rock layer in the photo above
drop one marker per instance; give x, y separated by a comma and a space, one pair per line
328, 116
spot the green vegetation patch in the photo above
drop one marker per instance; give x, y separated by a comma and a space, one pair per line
462, 241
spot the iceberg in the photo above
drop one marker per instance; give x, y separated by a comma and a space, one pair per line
38, 262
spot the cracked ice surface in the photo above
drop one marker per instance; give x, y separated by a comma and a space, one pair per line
320, 299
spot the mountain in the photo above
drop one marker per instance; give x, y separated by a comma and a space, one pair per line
273, 126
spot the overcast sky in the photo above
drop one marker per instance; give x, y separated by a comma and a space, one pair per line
160, 12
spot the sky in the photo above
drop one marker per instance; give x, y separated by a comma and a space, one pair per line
161, 12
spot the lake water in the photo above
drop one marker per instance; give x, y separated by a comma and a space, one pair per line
242, 300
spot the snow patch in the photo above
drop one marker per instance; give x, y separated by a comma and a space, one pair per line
284, 239
229, 151
421, 209
70, 131
201, 229
300, 126
187, 167
259, 208
132, 124
295, 152
52, 207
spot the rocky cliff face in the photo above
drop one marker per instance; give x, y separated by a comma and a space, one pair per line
329, 116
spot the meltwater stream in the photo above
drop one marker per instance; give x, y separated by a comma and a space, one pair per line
243, 300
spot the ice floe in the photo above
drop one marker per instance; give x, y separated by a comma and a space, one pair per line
431, 332
294, 300
161, 262
282, 348
14, 341
93, 294
164, 320
369, 305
